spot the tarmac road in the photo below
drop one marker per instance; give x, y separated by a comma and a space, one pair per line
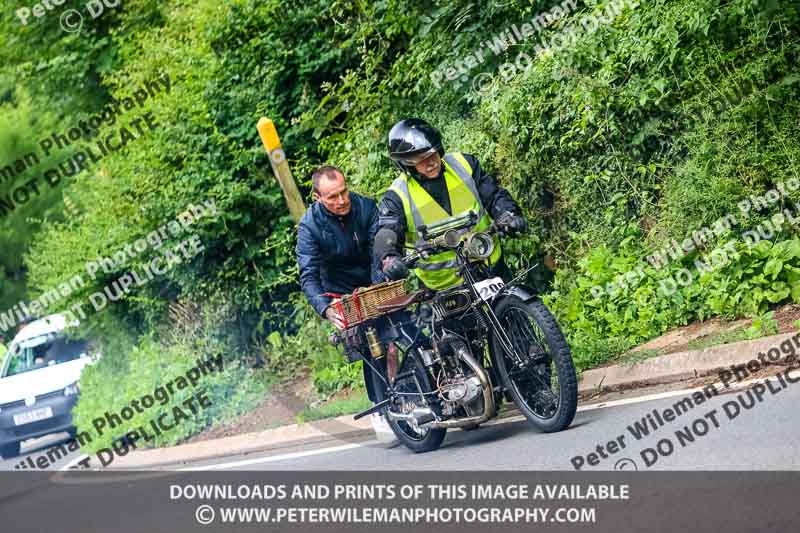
705, 433
763, 437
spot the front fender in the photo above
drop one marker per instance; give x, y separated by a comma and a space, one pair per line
523, 292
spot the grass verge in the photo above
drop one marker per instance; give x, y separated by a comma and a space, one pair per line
334, 408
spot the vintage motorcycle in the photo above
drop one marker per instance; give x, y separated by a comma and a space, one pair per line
453, 361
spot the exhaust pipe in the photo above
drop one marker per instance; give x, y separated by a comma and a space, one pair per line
425, 417
488, 398
417, 417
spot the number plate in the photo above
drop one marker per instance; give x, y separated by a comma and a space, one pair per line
33, 416
488, 288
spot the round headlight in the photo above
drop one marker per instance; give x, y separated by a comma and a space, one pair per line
480, 245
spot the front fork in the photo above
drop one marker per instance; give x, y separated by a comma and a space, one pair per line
484, 308
497, 330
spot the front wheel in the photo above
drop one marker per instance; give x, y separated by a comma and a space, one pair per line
542, 382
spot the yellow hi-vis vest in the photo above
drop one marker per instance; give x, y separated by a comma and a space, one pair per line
438, 271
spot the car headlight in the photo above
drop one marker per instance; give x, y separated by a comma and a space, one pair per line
72, 389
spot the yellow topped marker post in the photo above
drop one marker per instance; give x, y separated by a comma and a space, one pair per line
280, 167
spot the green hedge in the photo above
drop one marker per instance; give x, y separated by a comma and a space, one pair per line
131, 368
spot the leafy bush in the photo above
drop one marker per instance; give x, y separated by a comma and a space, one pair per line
130, 369
308, 348
744, 283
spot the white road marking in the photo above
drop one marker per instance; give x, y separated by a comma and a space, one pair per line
73, 462
275, 458
321, 451
719, 386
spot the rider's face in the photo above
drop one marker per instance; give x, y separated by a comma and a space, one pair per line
430, 166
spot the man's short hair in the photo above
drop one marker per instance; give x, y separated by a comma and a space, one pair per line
325, 171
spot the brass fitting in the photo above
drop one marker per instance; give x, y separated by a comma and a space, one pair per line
375, 346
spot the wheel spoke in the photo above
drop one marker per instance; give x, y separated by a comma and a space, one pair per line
535, 379
408, 385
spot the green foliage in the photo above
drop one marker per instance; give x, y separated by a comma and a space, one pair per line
147, 364
638, 356
66, 69
335, 408
20, 125
746, 282
308, 347
761, 326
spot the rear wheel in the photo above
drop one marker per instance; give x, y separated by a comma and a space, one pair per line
418, 439
7, 451
543, 384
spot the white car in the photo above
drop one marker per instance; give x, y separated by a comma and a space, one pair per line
39, 383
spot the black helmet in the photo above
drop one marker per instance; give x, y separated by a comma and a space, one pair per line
411, 138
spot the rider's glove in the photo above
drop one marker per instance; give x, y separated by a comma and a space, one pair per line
395, 269
511, 224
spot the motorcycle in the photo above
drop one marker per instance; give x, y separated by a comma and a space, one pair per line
451, 363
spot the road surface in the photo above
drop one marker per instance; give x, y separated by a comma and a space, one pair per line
726, 436
716, 433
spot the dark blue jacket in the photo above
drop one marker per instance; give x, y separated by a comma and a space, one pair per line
335, 253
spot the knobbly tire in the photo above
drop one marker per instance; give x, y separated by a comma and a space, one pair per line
432, 438
546, 353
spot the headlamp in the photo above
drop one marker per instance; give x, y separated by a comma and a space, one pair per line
479, 245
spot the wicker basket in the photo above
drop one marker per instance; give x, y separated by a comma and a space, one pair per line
362, 304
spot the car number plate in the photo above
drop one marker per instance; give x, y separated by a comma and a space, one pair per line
488, 288
33, 416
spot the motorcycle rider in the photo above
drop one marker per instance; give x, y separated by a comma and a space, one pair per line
436, 185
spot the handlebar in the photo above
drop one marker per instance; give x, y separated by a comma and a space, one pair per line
456, 233
450, 240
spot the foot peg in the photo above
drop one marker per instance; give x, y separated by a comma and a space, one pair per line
374, 409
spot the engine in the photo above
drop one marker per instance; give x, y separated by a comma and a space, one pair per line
458, 386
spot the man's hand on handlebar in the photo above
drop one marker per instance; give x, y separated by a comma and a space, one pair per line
394, 268
511, 224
